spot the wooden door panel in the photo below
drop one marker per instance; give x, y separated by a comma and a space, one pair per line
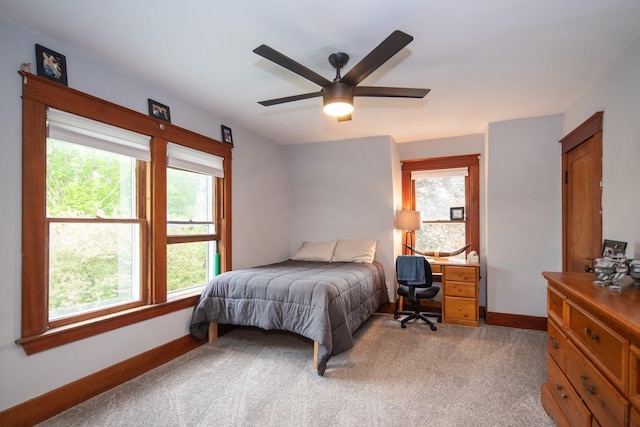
582, 194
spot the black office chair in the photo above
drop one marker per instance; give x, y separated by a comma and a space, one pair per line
415, 288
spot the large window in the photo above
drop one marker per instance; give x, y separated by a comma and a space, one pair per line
433, 187
119, 224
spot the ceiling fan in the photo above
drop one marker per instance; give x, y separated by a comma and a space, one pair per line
338, 94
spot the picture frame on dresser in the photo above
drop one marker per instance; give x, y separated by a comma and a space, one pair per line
613, 248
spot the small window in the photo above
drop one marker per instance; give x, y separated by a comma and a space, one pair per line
435, 195
191, 218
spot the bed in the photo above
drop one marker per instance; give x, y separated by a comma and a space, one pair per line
323, 301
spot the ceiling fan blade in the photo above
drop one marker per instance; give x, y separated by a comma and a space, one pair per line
291, 65
390, 92
344, 118
290, 98
378, 56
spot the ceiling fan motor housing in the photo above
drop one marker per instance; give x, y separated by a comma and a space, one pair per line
338, 92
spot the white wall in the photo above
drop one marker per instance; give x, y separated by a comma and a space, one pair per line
523, 212
260, 217
618, 95
344, 190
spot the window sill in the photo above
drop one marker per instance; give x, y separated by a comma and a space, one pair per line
77, 331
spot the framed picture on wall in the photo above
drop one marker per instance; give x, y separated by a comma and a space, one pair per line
51, 65
226, 134
159, 111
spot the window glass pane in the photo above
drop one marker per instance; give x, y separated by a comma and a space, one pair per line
434, 196
92, 266
444, 236
190, 265
189, 202
87, 182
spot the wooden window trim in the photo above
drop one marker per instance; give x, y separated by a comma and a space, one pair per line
472, 188
38, 94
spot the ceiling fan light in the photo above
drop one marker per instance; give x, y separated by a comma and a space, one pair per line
338, 109
338, 99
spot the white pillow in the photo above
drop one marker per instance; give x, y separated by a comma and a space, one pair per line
315, 251
355, 251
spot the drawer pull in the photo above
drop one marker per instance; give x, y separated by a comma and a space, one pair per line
587, 331
563, 396
591, 389
554, 302
595, 338
554, 343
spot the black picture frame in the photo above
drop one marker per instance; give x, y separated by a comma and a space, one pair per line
159, 111
613, 248
226, 134
51, 65
456, 214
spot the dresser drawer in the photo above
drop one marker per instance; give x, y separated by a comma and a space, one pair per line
608, 406
608, 350
634, 418
557, 344
460, 289
634, 376
568, 400
551, 406
460, 274
555, 305
460, 308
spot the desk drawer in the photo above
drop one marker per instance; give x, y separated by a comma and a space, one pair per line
460, 289
610, 351
608, 406
460, 274
460, 308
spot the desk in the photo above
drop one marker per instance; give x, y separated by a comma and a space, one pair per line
460, 291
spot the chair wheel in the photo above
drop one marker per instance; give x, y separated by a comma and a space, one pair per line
439, 319
433, 328
395, 316
403, 326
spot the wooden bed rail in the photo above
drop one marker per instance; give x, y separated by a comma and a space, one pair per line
213, 337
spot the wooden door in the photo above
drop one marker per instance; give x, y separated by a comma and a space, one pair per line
582, 195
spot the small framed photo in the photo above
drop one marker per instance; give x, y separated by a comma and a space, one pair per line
159, 111
51, 65
456, 214
613, 249
226, 134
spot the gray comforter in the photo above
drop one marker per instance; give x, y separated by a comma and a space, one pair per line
325, 302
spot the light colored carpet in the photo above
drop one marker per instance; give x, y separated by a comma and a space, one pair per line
456, 376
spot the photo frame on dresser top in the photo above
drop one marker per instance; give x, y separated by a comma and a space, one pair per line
613, 248
51, 65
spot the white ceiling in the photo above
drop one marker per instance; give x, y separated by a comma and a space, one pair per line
484, 60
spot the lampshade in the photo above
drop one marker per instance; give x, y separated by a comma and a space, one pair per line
338, 99
408, 220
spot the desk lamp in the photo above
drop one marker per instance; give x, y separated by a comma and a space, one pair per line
408, 221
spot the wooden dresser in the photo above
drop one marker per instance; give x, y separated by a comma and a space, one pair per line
593, 345
460, 292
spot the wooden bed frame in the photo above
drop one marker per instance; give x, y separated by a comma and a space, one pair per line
213, 337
